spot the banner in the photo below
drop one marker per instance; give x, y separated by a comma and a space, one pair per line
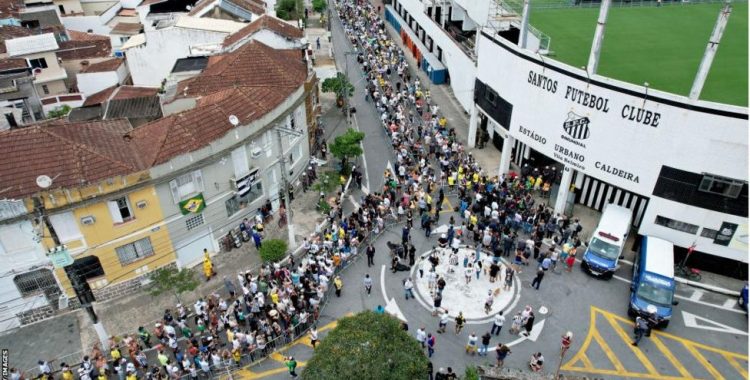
726, 232
193, 205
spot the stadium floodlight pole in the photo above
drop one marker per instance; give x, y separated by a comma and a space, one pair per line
596, 45
524, 23
711, 48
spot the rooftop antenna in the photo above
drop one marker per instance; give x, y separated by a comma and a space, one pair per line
234, 120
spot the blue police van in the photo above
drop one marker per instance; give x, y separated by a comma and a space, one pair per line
607, 242
652, 289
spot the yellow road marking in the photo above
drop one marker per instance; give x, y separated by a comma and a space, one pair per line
625, 338
277, 357
586, 362
702, 360
608, 351
740, 368
449, 207
668, 354
657, 337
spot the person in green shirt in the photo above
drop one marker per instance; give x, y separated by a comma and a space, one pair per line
291, 364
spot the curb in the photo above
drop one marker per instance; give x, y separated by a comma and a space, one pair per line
711, 288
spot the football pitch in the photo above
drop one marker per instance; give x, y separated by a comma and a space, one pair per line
659, 45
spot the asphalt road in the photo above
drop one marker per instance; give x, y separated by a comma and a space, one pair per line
707, 337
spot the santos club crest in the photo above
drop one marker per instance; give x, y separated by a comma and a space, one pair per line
577, 126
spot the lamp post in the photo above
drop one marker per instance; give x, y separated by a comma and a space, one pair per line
283, 130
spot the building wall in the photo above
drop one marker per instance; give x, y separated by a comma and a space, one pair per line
104, 235
217, 166
599, 138
56, 87
150, 63
461, 67
70, 6
91, 83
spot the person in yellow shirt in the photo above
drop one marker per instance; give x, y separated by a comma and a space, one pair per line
538, 183
67, 374
208, 266
451, 181
473, 220
475, 177
115, 354
131, 376
443, 121
275, 297
237, 356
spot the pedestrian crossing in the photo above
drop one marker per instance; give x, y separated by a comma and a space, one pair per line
655, 358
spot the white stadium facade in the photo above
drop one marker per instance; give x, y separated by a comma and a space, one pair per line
680, 164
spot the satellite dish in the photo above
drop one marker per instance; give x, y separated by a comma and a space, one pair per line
234, 120
43, 181
188, 8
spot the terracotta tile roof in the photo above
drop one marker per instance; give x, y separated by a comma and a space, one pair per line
127, 12
10, 8
84, 46
254, 64
103, 66
130, 92
247, 83
127, 28
13, 63
99, 97
81, 36
75, 153
256, 7
264, 22
9, 32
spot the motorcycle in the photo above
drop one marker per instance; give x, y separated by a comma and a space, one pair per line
236, 237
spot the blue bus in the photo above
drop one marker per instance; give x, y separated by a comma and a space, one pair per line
652, 289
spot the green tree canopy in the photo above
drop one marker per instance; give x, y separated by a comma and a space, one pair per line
367, 345
338, 85
290, 9
319, 5
346, 146
59, 112
273, 250
173, 280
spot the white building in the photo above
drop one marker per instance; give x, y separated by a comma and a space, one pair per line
681, 165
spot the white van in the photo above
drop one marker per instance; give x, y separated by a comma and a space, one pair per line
607, 242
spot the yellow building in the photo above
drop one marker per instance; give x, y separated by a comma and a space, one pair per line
99, 199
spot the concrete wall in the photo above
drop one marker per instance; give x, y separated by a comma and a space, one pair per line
70, 6
150, 63
86, 23
91, 83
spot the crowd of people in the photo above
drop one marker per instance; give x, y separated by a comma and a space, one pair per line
261, 311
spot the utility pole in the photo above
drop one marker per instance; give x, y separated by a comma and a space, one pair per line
80, 286
285, 182
596, 45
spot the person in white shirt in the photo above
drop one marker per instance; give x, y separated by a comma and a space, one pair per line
421, 336
498, 324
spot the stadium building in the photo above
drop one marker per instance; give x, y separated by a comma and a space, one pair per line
681, 164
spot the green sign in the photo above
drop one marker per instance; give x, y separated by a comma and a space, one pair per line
193, 205
60, 258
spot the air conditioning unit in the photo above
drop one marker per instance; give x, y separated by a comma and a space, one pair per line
88, 220
141, 204
256, 152
62, 302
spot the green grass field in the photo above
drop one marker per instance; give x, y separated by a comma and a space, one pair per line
662, 46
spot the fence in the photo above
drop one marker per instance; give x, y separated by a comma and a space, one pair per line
517, 5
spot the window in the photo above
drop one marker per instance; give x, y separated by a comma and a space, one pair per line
124, 39
45, 89
134, 251
676, 225
35, 282
709, 233
120, 210
66, 227
722, 186
237, 202
186, 185
489, 95
38, 63
296, 154
31, 24
194, 222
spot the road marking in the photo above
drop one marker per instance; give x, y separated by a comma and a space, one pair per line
536, 330
362, 146
354, 202
581, 363
668, 354
691, 320
391, 307
449, 209
696, 296
720, 307
729, 303
382, 283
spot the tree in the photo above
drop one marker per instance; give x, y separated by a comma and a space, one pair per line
171, 279
59, 112
339, 85
367, 345
319, 5
471, 373
273, 250
290, 9
346, 146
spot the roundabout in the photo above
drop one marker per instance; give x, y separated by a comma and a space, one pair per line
464, 291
